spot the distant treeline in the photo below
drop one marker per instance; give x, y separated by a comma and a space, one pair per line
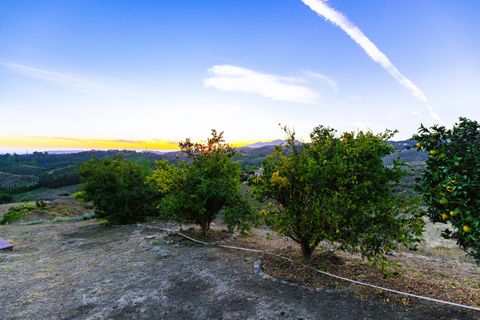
19, 173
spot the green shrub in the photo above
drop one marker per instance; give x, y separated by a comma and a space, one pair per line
79, 195
16, 213
118, 189
40, 204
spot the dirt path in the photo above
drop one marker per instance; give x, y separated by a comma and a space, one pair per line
86, 271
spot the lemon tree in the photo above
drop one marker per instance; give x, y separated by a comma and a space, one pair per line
450, 184
337, 189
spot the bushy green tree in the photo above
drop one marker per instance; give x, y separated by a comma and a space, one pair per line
450, 184
196, 192
337, 189
118, 189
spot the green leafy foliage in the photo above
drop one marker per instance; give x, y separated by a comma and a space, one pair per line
40, 204
197, 191
16, 213
241, 213
450, 184
118, 189
79, 195
338, 189
168, 181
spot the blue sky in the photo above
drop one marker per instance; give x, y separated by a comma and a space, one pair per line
146, 70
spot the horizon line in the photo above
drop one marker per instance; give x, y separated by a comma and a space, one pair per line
85, 144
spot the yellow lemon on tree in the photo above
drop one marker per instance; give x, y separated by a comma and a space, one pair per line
466, 229
444, 216
418, 145
433, 152
452, 213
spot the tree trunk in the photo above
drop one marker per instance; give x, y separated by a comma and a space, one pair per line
205, 228
307, 250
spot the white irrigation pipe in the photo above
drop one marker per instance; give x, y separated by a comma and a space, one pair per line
316, 270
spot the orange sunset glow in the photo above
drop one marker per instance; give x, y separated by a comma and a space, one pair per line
62, 143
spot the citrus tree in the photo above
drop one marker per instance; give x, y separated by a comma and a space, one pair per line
118, 189
450, 184
337, 189
197, 191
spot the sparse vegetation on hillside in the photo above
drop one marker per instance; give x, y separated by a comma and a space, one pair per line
39, 170
42, 211
16, 213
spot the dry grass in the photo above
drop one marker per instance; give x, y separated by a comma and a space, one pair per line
414, 278
214, 235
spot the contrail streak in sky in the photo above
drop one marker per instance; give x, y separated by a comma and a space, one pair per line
337, 18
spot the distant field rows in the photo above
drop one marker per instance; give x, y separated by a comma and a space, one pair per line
10, 181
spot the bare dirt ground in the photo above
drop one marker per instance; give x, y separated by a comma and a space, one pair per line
88, 271
444, 275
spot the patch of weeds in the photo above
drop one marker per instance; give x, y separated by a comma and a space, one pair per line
156, 242
103, 222
80, 195
17, 213
41, 204
7, 268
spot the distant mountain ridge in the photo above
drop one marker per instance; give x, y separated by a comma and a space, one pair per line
265, 144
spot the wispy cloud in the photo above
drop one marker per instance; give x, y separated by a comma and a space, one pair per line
337, 18
237, 79
323, 78
68, 81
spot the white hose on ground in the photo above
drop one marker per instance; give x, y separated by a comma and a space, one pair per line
312, 268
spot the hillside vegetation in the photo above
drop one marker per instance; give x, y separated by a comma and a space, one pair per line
20, 173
